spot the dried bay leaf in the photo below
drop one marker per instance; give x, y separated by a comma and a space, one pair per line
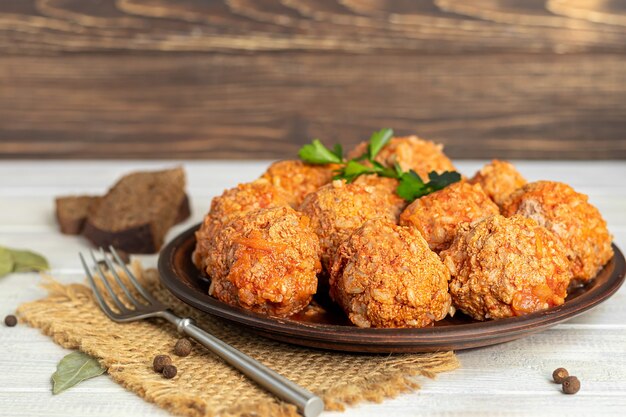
17, 260
26, 260
6, 262
73, 369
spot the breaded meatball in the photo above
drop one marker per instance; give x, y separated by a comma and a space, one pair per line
503, 267
387, 187
570, 216
266, 261
499, 179
411, 152
298, 179
438, 215
337, 209
384, 275
231, 204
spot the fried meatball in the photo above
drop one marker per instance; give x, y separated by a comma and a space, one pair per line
384, 275
298, 179
570, 216
411, 152
266, 261
499, 179
387, 188
438, 215
337, 209
231, 204
503, 267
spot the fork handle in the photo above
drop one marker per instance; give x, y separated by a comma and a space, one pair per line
309, 404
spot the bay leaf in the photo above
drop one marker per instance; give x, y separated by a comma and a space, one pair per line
73, 369
26, 260
6, 261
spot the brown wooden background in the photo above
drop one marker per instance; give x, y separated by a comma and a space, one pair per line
257, 78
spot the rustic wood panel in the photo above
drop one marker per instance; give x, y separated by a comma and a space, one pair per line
257, 78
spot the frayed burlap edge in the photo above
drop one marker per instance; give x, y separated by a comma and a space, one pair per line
397, 379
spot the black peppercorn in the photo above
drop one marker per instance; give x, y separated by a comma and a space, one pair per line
160, 362
169, 371
10, 320
183, 347
559, 375
571, 385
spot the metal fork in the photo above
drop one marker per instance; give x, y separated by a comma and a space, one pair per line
308, 403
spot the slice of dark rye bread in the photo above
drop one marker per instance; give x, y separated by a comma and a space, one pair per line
71, 212
137, 211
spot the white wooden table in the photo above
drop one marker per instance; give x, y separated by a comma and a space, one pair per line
509, 379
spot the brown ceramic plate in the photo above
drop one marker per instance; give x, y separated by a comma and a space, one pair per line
323, 325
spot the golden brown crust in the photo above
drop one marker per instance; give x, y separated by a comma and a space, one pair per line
570, 216
503, 267
266, 261
232, 204
411, 152
499, 180
384, 275
337, 209
136, 213
387, 188
298, 179
437, 216
71, 212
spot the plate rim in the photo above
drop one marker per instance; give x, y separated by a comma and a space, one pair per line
485, 330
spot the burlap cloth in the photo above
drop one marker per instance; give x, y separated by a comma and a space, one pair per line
205, 386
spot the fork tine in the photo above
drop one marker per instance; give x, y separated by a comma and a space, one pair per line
105, 307
119, 281
132, 278
116, 300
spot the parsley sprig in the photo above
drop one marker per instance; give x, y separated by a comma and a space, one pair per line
410, 186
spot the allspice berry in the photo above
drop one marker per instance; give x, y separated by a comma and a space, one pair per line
183, 347
571, 385
559, 375
160, 362
10, 320
169, 371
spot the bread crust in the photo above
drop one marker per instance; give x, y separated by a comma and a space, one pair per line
138, 211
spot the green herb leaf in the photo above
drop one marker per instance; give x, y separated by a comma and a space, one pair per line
15, 260
338, 151
378, 140
316, 153
398, 169
73, 369
384, 171
440, 181
6, 262
26, 260
354, 169
411, 185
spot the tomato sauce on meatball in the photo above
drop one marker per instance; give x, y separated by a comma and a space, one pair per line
385, 275
504, 267
297, 179
266, 261
232, 204
438, 215
386, 187
570, 216
337, 209
499, 180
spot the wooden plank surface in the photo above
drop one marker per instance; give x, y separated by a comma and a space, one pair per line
256, 79
511, 379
